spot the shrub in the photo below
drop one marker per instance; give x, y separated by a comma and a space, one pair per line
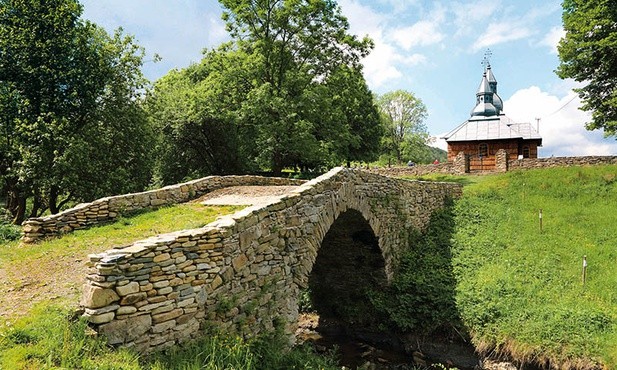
421, 295
9, 232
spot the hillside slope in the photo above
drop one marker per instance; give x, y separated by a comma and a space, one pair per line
519, 289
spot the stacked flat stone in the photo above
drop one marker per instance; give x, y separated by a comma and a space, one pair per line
531, 163
243, 273
503, 163
109, 208
457, 167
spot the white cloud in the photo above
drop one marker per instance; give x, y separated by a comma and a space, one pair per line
414, 59
467, 16
177, 32
379, 66
363, 20
399, 6
421, 33
385, 61
562, 124
552, 38
438, 142
498, 33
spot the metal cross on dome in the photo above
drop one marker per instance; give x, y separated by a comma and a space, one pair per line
486, 61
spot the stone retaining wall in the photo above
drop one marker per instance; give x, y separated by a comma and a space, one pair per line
109, 208
243, 273
417, 170
531, 163
502, 164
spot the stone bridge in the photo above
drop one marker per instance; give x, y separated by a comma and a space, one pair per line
244, 273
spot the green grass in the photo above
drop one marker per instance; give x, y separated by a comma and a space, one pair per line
519, 289
50, 339
54, 269
123, 231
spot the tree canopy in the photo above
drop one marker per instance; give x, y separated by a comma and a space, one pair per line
588, 54
405, 134
71, 123
288, 91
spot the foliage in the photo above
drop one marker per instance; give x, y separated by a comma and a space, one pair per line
304, 301
71, 124
222, 351
50, 338
123, 231
193, 112
287, 92
587, 54
431, 153
402, 115
519, 290
9, 231
420, 297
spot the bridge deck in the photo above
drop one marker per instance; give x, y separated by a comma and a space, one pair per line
245, 195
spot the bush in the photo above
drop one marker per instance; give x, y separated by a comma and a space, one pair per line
421, 295
50, 338
9, 232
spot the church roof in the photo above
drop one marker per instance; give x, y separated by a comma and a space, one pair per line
487, 121
492, 128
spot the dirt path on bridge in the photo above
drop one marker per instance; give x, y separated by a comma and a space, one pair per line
244, 195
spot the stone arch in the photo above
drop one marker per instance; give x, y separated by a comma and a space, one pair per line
343, 201
349, 265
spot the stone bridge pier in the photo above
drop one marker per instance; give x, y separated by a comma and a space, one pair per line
244, 272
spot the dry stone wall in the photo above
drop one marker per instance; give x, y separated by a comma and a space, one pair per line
503, 163
417, 170
109, 208
531, 163
243, 273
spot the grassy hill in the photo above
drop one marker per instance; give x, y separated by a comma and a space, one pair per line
519, 290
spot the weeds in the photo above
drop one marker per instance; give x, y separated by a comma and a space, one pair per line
49, 339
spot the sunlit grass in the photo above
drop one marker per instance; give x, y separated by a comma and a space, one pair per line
55, 269
49, 338
123, 231
520, 286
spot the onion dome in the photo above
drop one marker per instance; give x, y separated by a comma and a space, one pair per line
484, 100
492, 82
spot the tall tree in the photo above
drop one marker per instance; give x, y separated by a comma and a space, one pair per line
70, 103
403, 116
588, 54
195, 111
351, 96
296, 45
288, 91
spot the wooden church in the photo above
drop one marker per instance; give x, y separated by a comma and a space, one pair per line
489, 130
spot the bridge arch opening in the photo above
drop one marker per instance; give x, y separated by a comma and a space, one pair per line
349, 267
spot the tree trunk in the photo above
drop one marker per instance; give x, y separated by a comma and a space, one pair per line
36, 205
53, 200
20, 212
15, 201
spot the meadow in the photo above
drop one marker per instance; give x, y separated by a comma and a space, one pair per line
519, 276
509, 280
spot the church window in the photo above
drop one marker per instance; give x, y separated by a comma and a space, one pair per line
483, 150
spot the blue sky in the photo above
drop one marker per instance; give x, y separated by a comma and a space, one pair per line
431, 48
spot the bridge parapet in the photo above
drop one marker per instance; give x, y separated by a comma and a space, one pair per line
108, 208
243, 272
